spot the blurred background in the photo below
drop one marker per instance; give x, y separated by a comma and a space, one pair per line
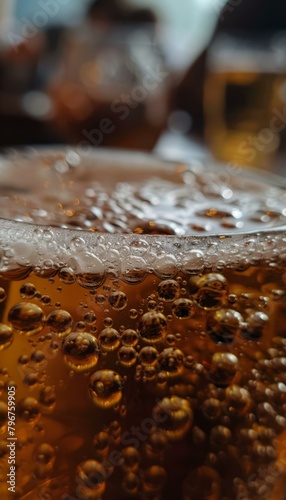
203, 78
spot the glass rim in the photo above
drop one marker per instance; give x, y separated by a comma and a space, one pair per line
184, 249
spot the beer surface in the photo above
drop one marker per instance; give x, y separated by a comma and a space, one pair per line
148, 365
117, 196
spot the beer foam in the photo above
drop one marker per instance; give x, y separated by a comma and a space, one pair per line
118, 212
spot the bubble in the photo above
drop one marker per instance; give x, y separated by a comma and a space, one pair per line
2, 294
277, 295
151, 305
154, 479
117, 300
152, 327
115, 429
100, 299
80, 326
67, 276
3, 415
174, 416
26, 317
183, 308
45, 454
31, 379
133, 313
149, 373
255, 325
80, 351
109, 339
212, 408
148, 356
48, 397
23, 359
60, 321
54, 345
199, 436
38, 357
90, 280
131, 459
171, 362
28, 409
220, 436
45, 272
6, 336
194, 262
130, 337
171, 339
232, 298
45, 299
90, 318
127, 356
223, 368
157, 443
130, 484
168, 290
237, 401
210, 291
131, 274
105, 388
204, 480
90, 478
101, 442
108, 322
224, 325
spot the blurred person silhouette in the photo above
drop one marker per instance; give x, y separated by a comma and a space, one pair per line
252, 18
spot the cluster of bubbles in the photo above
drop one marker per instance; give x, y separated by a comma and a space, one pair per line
207, 399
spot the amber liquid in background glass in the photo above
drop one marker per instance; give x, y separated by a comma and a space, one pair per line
149, 386
236, 120
245, 99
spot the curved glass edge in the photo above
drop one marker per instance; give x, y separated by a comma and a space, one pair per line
27, 245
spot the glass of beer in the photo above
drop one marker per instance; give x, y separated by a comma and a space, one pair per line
142, 335
245, 99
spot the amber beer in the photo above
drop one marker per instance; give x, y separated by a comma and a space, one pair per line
142, 330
